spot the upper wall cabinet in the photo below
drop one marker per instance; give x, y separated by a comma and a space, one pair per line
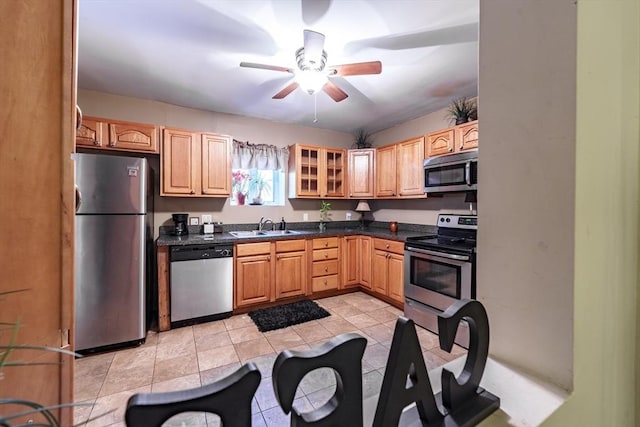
317, 172
110, 134
399, 169
361, 173
195, 164
453, 139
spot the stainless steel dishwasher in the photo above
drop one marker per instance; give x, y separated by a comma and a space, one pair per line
201, 283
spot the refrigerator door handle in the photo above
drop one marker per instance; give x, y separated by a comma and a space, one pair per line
78, 199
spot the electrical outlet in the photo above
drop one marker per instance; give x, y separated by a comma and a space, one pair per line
305, 216
206, 219
348, 216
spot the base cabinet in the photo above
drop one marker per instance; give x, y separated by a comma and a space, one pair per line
356, 259
325, 267
388, 269
269, 271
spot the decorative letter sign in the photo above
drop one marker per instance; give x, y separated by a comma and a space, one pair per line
462, 403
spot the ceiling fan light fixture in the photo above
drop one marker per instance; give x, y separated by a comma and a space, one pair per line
311, 81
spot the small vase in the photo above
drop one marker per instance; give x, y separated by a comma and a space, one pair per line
393, 226
240, 197
322, 226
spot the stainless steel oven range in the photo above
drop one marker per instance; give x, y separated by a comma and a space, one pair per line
439, 270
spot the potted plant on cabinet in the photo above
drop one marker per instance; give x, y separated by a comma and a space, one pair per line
462, 110
362, 139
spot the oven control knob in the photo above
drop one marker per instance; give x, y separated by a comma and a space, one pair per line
226, 252
441, 219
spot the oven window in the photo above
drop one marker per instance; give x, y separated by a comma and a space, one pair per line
436, 276
445, 175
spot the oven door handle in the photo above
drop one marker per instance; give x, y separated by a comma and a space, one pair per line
467, 173
438, 254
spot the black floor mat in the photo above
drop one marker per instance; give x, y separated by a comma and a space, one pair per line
281, 316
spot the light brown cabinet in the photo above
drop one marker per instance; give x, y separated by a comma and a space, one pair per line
325, 266
388, 269
290, 269
454, 139
316, 172
399, 169
356, 261
195, 164
361, 173
252, 274
110, 134
268, 271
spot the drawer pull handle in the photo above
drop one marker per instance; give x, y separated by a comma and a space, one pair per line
326, 256
387, 246
326, 244
326, 269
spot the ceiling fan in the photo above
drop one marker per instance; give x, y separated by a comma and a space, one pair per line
312, 73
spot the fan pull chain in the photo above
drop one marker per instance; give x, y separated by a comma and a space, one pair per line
315, 107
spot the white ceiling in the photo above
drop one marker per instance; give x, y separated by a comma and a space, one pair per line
187, 52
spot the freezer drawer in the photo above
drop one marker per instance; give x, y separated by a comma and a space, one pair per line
202, 287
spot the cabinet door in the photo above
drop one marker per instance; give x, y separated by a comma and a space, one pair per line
350, 261
440, 142
379, 273
334, 172
395, 277
133, 136
179, 171
291, 274
253, 280
410, 169
386, 171
307, 171
364, 243
361, 173
216, 165
467, 136
92, 133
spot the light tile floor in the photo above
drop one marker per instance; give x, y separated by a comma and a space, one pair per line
201, 354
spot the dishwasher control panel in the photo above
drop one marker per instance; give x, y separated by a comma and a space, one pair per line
193, 252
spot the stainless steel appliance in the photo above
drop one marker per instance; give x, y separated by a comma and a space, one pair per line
451, 172
113, 238
440, 270
201, 283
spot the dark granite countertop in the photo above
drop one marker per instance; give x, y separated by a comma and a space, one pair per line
303, 231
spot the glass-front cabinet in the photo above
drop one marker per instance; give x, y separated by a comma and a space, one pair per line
316, 171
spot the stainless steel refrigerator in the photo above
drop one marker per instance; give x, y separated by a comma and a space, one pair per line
113, 240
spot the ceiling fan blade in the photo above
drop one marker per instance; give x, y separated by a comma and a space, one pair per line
313, 46
334, 92
358, 68
464, 33
266, 67
286, 91
313, 10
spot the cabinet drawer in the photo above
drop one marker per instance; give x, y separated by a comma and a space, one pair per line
324, 283
261, 248
290, 245
329, 242
325, 254
389, 246
323, 268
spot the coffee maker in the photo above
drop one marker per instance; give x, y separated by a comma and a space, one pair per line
180, 220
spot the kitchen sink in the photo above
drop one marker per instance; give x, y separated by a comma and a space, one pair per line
258, 233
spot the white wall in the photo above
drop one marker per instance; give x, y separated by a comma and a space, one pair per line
558, 245
526, 241
263, 132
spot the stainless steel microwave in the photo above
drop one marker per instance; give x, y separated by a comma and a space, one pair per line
451, 172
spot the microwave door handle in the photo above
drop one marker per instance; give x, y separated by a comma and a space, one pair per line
467, 173
438, 254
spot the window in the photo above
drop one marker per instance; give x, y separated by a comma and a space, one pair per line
257, 187
258, 174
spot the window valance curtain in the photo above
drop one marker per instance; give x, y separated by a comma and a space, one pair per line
259, 156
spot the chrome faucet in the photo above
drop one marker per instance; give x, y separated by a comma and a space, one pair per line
264, 222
